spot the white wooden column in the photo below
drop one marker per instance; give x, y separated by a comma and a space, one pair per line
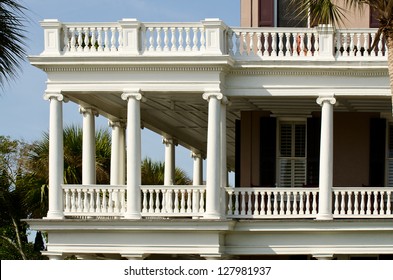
197, 171
326, 158
224, 167
133, 98
197, 179
115, 153
169, 170
122, 150
56, 155
213, 168
88, 146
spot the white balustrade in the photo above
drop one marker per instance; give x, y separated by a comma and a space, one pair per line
94, 200
91, 38
266, 43
265, 203
355, 44
189, 39
182, 201
354, 202
173, 38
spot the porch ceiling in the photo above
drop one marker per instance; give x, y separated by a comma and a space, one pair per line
184, 115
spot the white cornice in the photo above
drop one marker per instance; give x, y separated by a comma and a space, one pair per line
132, 68
307, 72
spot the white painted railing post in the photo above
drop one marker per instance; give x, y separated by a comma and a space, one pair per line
56, 155
131, 38
326, 158
216, 37
326, 42
52, 37
213, 170
133, 98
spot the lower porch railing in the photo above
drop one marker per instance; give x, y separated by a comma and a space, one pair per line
107, 201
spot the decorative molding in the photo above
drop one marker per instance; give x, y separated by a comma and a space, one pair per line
169, 141
316, 72
132, 68
116, 123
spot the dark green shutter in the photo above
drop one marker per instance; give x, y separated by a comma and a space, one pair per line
313, 150
377, 152
268, 152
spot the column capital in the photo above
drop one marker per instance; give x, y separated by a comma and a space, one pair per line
209, 94
117, 123
169, 141
88, 110
133, 93
327, 98
58, 95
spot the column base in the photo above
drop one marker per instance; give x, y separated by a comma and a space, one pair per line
56, 215
132, 216
324, 217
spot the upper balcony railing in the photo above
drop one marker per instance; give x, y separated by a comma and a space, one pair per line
130, 37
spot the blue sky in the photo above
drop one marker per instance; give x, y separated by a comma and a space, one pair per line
23, 112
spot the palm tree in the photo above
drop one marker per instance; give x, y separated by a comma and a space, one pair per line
153, 173
36, 197
328, 12
12, 39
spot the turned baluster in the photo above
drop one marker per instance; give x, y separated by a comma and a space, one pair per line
110, 201
351, 44
79, 39
375, 212
164, 208
73, 201
237, 203
188, 39
308, 205
282, 205
382, 203
181, 41
87, 39
274, 44
182, 201
316, 44
151, 39
336, 203
195, 39
230, 42
98, 201
67, 207
356, 203
249, 204
73, 39
106, 39
113, 39
301, 203
173, 40
295, 51
244, 43
189, 201
295, 206
372, 52
288, 210
166, 39
388, 203
302, 49
368, 212
251, 44
176, 204
342, 208
144, 201
256, 203
243, 204
93, 40
104, 201
202, 201
159, 39
288, 44
230, 210
362, 203
237, 43
380, 46
203, 39
259, 44
358, 45
269, 203
280, 44
309, 45
314, 203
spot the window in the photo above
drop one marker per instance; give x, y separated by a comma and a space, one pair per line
280, 13
292, 160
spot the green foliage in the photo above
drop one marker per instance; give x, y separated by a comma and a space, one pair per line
12, 38
153, 174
